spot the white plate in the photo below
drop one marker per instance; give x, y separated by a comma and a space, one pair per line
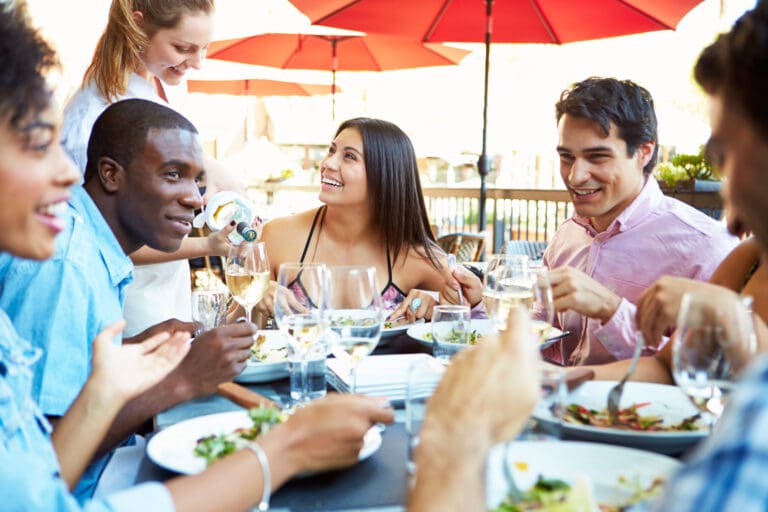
256, 371
483, 326
399, 329
669, 402
173, 447
602, 464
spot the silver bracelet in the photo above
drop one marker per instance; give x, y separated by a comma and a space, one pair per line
266, 475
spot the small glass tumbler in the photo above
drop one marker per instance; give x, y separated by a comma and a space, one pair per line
451, 330
312, 385
209, 307
423, 376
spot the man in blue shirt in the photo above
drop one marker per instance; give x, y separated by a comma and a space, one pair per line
140, 188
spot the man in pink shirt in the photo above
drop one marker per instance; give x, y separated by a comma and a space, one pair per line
624, 233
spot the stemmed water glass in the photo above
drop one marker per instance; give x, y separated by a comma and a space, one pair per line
355, 314
300, 312
706, 336
510, 281
247, 274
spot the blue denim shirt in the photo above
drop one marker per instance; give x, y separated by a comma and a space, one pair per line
29, 471
61, 304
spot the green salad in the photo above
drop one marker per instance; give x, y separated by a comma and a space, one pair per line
457, 337
214, 447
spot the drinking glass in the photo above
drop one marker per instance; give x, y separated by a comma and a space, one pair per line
704, 334
299, 313
424, 374
247, 274
451, 328
355, 314
209, 307
511, 281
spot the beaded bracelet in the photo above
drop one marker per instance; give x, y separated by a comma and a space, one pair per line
267, 477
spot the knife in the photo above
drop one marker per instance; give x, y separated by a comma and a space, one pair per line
243, 396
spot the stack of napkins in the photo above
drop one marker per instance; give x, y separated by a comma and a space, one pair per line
376, 375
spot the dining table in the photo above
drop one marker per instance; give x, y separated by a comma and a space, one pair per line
376, 484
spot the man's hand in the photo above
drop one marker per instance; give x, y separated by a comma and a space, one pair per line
169, 326
574, 290
123, 372
328, 433
659, 304
490, 388
216, 356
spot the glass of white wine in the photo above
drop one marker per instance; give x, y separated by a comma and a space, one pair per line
299, 313
704, 334
508, 283
247, 274
355, 314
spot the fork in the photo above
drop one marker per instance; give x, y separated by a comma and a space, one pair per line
513, 491
614, 396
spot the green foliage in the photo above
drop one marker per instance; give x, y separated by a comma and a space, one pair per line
669, 173
696, 166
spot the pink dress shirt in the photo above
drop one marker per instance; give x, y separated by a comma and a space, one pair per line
654, 236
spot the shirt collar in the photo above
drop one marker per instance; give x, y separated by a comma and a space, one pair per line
118, 264
648, 198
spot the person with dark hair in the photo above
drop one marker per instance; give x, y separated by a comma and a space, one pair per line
374, 214
87, 232
144, 52
144, 162
624, 233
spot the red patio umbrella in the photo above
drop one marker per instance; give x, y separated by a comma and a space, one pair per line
257, 87
334, 52
500, 21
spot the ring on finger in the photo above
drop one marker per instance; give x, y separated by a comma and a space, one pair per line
415, 304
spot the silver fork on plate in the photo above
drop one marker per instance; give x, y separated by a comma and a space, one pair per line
513, 491
614, 396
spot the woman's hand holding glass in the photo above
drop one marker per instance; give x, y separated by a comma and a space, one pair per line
247, 274
355, 314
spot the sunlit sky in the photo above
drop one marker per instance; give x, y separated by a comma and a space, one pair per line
440, 108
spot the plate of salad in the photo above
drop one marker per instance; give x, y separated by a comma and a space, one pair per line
480, 327
575, 476
188, 447
655, 417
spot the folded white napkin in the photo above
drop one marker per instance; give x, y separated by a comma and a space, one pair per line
376, 375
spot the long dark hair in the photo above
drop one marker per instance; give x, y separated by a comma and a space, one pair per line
395, 199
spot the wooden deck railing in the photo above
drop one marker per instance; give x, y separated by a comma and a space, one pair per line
513, 214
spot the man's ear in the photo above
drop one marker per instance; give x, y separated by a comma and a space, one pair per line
645, 152
111, 174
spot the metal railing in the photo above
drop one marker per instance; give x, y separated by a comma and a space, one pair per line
512, 214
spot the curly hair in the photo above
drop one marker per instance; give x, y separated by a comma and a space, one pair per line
736, 66
119, 50
25, 59
628, 105
394, 188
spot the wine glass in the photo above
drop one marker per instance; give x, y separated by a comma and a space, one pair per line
706, 334
355, 314
450, 328
299, 313
511, 281
247, 274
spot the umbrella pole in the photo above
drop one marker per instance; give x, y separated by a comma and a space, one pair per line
334, 65
484, 162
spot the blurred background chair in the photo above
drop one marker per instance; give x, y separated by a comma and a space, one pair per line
534, 249
466, 246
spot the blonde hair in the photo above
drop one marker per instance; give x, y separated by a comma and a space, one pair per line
119, 50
